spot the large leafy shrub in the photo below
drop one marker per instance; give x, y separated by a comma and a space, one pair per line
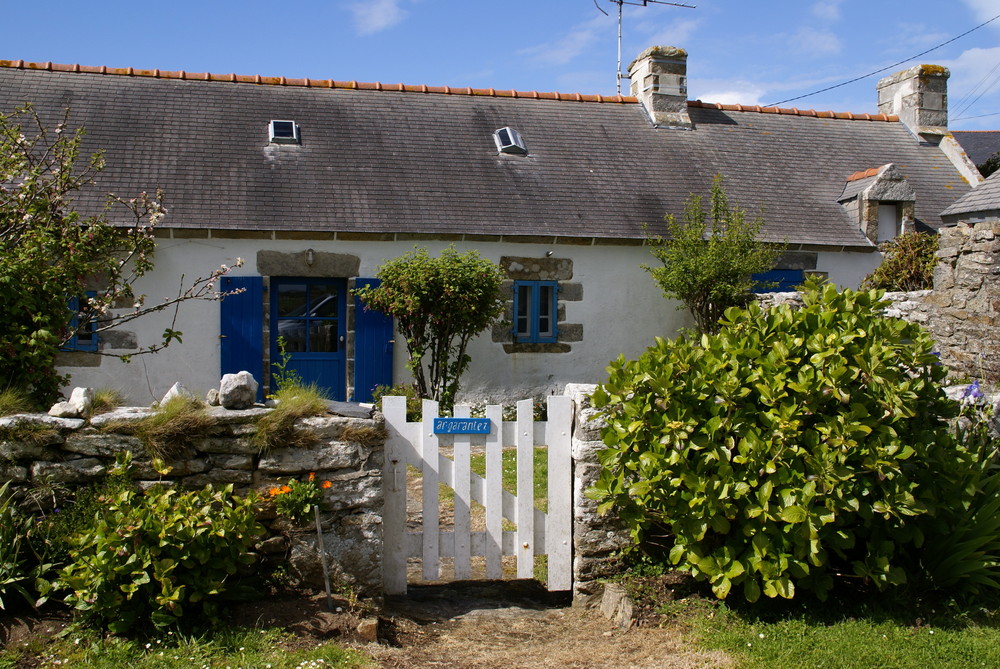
791, 446
159, 558
908, 263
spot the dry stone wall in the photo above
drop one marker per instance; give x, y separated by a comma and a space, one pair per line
39, 451
962, 312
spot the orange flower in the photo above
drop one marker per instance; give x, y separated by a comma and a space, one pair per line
274, 492
326, 484
286, 488
312, 476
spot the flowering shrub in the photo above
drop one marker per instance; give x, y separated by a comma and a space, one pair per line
159, 558
51, 255
296, 499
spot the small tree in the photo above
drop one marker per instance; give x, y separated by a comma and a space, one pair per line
439, 305
50, 255
908, 263
711, 269
990, 165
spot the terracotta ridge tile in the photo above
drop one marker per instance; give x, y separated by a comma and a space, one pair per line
698, 104
312, 83
864, 174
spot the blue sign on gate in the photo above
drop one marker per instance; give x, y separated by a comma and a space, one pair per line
462, 426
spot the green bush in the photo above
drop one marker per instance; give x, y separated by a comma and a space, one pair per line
414, 403
791, 446
961, 554
159, 558
908, 263
439, 305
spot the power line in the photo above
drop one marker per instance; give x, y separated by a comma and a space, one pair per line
887, 67
966, 118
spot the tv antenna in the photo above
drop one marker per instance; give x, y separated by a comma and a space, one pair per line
637, 3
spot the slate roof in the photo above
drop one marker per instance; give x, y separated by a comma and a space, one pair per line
978, 144
419, 160
984, 198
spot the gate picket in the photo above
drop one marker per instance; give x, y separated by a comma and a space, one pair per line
461, 484
494, 495
537, 532
430, 468
525, 490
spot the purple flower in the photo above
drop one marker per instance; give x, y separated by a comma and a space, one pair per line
972, 391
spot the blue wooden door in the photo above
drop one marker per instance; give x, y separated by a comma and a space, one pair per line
241, 331
308, 315
373, 340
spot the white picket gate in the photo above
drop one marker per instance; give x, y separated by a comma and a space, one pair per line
538, 533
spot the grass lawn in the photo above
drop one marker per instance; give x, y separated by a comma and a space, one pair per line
828, 636
232, 649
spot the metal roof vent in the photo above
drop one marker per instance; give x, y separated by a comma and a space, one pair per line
509, 140
283, 132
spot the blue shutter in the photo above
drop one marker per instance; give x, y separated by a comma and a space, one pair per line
373, 339
781, 280
242, 328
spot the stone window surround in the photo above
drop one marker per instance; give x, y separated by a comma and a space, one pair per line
547, 268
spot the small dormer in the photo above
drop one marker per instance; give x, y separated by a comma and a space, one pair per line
882, 202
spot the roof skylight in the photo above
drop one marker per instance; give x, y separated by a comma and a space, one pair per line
509, 140
283, 132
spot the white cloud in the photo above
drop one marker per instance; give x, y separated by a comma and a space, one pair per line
677, 33
728, 92
828, 10
983, 9
372, 16
566, 48
815, 42
974, 86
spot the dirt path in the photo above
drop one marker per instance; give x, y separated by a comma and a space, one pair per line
515, 625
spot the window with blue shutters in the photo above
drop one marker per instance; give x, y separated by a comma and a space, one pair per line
535, 311
85, 339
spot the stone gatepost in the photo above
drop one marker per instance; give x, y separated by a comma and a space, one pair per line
596, 539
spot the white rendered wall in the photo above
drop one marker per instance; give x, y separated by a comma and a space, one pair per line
848, 270
622, 311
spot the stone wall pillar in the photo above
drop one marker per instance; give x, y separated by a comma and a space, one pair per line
966, 299
596, 539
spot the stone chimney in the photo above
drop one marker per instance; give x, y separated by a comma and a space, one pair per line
659, 80
919, 96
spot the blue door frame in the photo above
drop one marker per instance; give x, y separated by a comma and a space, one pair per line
310, 314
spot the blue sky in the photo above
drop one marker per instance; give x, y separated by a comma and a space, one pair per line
746, 51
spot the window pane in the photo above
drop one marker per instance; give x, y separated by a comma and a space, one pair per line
291, 299
294, 333
545, 316
323, 337
323, 301
522, 319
